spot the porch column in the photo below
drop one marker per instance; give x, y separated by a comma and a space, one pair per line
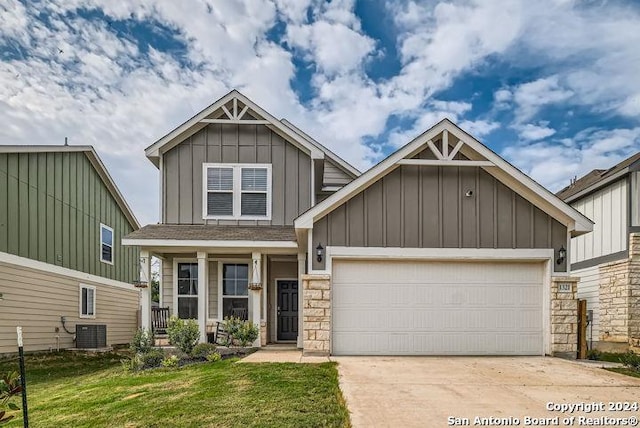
256, 289
202, 295
145, 292
301, 271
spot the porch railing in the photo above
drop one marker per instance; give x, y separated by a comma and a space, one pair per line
159, 320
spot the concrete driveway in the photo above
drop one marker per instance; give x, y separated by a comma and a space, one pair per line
426, 391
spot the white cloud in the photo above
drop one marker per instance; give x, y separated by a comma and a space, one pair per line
334, 47
103, 90
531, 96
553, 165
531, 132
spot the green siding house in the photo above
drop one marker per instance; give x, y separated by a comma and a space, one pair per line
62, 220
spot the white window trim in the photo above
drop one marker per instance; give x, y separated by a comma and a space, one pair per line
89, 287
220, 285
237, 190
176, 261
113, 239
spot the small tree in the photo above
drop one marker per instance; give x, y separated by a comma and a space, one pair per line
183, 334
142, 341
245, 332
9, 388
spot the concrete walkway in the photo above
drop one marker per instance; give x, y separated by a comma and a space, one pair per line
426, 391
281, 355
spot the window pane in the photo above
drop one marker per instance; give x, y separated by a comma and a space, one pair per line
242, 272
253, 204
187, 308
107, 253
90, 301
236, 307
188, 270
220, 203
184, 286
220, 179
84, 301
229, 287
229, 271
242, 287
254, 179
107, 236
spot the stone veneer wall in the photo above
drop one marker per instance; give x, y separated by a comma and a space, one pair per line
564, 318
316, 314
620, 298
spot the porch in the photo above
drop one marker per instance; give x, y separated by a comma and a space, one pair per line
260, 286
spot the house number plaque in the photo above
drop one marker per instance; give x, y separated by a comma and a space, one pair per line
564, 287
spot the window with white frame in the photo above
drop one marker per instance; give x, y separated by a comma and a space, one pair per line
237, 191
235, 294
188, 290
87, 301
106, 244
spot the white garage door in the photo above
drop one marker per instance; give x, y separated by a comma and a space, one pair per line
437, 308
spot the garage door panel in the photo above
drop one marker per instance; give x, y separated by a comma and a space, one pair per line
492, 309
384, 271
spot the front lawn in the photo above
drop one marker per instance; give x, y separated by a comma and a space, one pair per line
93, 391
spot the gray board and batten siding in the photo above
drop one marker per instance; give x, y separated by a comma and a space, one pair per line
55, 202
428, 207
222, 143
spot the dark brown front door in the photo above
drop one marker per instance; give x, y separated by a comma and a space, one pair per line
287, 309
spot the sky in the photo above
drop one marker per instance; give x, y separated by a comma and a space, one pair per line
552, 85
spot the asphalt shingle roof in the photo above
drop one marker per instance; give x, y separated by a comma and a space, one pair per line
214, 233
594, 177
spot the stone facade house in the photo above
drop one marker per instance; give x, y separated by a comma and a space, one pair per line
442, 248
607, 261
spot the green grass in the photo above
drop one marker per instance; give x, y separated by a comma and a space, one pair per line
93, 391
624, 371
612, 357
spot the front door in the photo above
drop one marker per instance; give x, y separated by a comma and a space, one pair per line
287, 309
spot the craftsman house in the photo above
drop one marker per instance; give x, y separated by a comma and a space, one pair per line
441, 248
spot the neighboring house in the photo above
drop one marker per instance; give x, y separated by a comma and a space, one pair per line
609, 271
62, 220
442, 248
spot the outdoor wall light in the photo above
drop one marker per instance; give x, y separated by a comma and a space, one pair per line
319, 252
562, 255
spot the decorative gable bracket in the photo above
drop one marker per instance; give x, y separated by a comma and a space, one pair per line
235, 116
446, 156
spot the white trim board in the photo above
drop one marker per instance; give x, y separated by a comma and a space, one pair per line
59, 270
504, 171
202, 243
194, 124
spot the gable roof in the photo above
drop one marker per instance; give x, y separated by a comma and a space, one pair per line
598, 178
259, 115
478, 153
97, 164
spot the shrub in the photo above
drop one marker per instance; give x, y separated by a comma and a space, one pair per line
631, 360
183, 334
132, 364
202, 350
245, 332
171, 361
9, 388
142, 341
152, 359
593, 354
213, 357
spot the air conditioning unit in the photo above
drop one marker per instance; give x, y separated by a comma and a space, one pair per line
91, 336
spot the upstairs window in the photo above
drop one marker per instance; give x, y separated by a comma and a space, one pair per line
106, 244
237, 191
